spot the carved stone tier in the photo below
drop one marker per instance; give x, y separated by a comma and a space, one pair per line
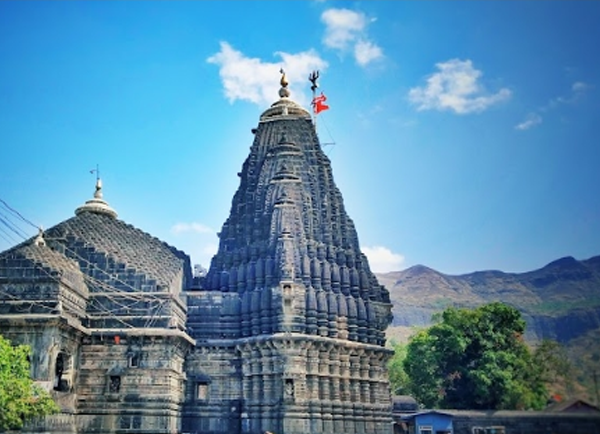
288, 248
288, 383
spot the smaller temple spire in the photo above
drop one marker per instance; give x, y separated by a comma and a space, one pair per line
97, 204
39, 239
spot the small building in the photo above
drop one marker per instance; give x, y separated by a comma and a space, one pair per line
521, 422
573, 406
428, 422
580, 419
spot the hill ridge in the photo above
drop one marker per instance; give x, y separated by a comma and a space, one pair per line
560, 300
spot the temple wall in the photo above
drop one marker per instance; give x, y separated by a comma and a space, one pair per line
287, 383
213, 389
287, 327
131, 384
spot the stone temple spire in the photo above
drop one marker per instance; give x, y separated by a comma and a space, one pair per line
97, 204
288, 226
291, 296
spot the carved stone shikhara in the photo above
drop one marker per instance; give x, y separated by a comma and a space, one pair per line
284, 334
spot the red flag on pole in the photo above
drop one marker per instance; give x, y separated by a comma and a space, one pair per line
318, 103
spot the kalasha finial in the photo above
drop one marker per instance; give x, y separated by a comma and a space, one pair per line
97, 204
39, 239
313, 77
283, 81
283, 92
98, 192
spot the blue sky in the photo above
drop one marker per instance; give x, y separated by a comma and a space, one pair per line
466, 133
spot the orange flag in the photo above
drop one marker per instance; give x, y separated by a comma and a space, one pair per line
318, 103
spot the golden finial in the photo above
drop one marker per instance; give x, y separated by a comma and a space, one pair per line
283, 92
283, 81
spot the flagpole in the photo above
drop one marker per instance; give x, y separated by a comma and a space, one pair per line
315, 114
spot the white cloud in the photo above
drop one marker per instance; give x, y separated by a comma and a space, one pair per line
199, 228
577, 93
382, 260
366, 52
251, 79
530, 121
580, 86
347, 30
456, 87
342, 27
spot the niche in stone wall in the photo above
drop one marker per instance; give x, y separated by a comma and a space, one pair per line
289, 391
202, 391
134, 360
287, 299
198, 387
63, 372
114, 384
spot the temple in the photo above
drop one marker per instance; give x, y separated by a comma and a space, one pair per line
285, 333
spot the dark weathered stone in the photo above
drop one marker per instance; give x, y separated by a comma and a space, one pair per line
291, 289
285, 333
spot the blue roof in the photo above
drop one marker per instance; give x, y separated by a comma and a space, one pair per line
411, 416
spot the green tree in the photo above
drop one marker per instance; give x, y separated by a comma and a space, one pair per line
399, 381
475, 359
554, 367
20, 398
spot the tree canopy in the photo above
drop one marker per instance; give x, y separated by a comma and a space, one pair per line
399, 381
475, 359
554, 368
20, 398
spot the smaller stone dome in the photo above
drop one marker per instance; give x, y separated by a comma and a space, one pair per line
285, 106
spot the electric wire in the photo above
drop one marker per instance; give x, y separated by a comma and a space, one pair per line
146, 296
5, 235
155, 302
17, 213
10, 225
333, 142
42, 304
106, 286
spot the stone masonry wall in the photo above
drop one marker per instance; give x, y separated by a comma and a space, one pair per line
131, 384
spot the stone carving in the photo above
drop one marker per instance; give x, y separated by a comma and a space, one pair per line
322, 313
284, 333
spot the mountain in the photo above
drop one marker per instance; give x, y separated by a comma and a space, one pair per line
560, 301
